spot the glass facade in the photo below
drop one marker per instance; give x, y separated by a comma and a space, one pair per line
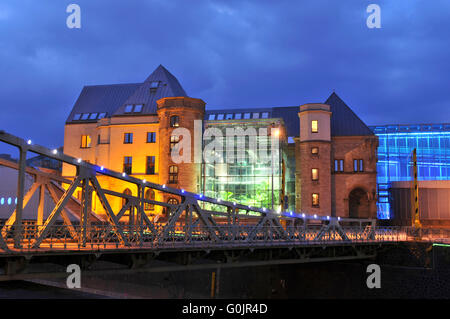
396, 142
251, 180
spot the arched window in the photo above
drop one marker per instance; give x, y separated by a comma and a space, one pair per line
174, 121
127, 191
173, 201
150, 195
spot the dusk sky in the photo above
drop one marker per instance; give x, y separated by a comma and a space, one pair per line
228, 53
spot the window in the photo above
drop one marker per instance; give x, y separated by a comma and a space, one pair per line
314, 150
127, 164
358, 165
154, 84
338, 165
128, 108
211, 117
85, 141
172, 201
247, 116
315, 200
101, 115
315, 174
124, 199
93, 116
229, 117
220, 116
137, 108
128, 138
76, 117
85, 116
174, 139
238, 116
256, 115
265, 115
149, 195
173, 174
150, 165
174, 121
151, 137
314, 126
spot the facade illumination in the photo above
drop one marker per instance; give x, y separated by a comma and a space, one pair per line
396, 142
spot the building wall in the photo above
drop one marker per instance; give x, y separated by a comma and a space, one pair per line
349, 148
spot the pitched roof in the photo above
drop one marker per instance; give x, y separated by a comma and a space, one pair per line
168, 86
102, 99
344, 122
112, 99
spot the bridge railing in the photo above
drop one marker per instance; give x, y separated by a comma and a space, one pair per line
104, 237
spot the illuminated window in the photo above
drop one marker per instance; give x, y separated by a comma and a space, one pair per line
150, 165
85, 141
127, 164
314, 126
315, 199
172, 201
149, 195
173, 174
151, 137
76, 117
174, 121
314, 150
128, 138
338, 165
315, 174
358, 165
174, 139
128, 108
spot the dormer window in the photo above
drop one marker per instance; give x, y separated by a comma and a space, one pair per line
154, 84
130, 108
93, 116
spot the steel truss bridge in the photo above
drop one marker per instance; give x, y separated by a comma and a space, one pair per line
192, 236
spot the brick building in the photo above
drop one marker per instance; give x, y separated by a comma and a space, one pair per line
324, 161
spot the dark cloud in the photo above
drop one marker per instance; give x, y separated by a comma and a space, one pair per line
229, 53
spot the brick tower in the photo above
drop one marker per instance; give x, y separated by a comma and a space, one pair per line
313, 162
173, 113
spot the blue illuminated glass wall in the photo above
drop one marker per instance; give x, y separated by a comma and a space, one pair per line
396, 142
